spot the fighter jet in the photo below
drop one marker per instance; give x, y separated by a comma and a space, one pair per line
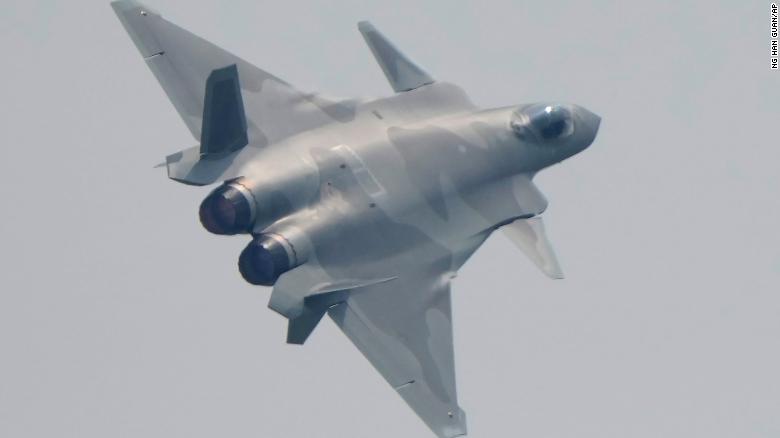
361, 209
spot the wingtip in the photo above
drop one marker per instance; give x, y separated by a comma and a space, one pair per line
551, 266
556, 275
400, 71
365, 25
129, 5
123, 5
460, 427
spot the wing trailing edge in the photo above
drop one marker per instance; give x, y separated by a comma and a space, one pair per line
404, 328
196, 74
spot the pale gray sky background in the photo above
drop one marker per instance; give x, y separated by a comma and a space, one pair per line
121, 317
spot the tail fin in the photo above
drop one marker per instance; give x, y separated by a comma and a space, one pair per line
184, 62
181, 61
400, 71
224, 121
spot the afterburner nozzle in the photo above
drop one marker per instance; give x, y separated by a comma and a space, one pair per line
265, 259
228, 210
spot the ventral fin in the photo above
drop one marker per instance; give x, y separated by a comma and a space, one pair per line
304, 294
299, 328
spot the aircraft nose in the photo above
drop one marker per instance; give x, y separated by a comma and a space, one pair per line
590, 123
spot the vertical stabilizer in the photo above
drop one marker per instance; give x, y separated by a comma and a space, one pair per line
224, 121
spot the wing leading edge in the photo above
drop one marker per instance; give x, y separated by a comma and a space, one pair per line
182, 62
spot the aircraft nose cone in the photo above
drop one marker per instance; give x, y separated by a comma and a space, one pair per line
590, 125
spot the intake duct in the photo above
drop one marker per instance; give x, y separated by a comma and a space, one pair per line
229, 209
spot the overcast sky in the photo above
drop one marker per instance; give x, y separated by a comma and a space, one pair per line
121, 317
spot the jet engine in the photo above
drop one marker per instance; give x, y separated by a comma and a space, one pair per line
245, 205
267, 257
229, 209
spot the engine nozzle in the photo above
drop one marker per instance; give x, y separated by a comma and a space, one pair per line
265, 259
228, 210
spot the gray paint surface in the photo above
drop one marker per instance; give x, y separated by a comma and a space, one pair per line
675, 339
382, 209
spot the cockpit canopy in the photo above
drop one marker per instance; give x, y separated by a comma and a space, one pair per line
542, 122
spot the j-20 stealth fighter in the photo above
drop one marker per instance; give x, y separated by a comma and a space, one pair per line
360, 209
